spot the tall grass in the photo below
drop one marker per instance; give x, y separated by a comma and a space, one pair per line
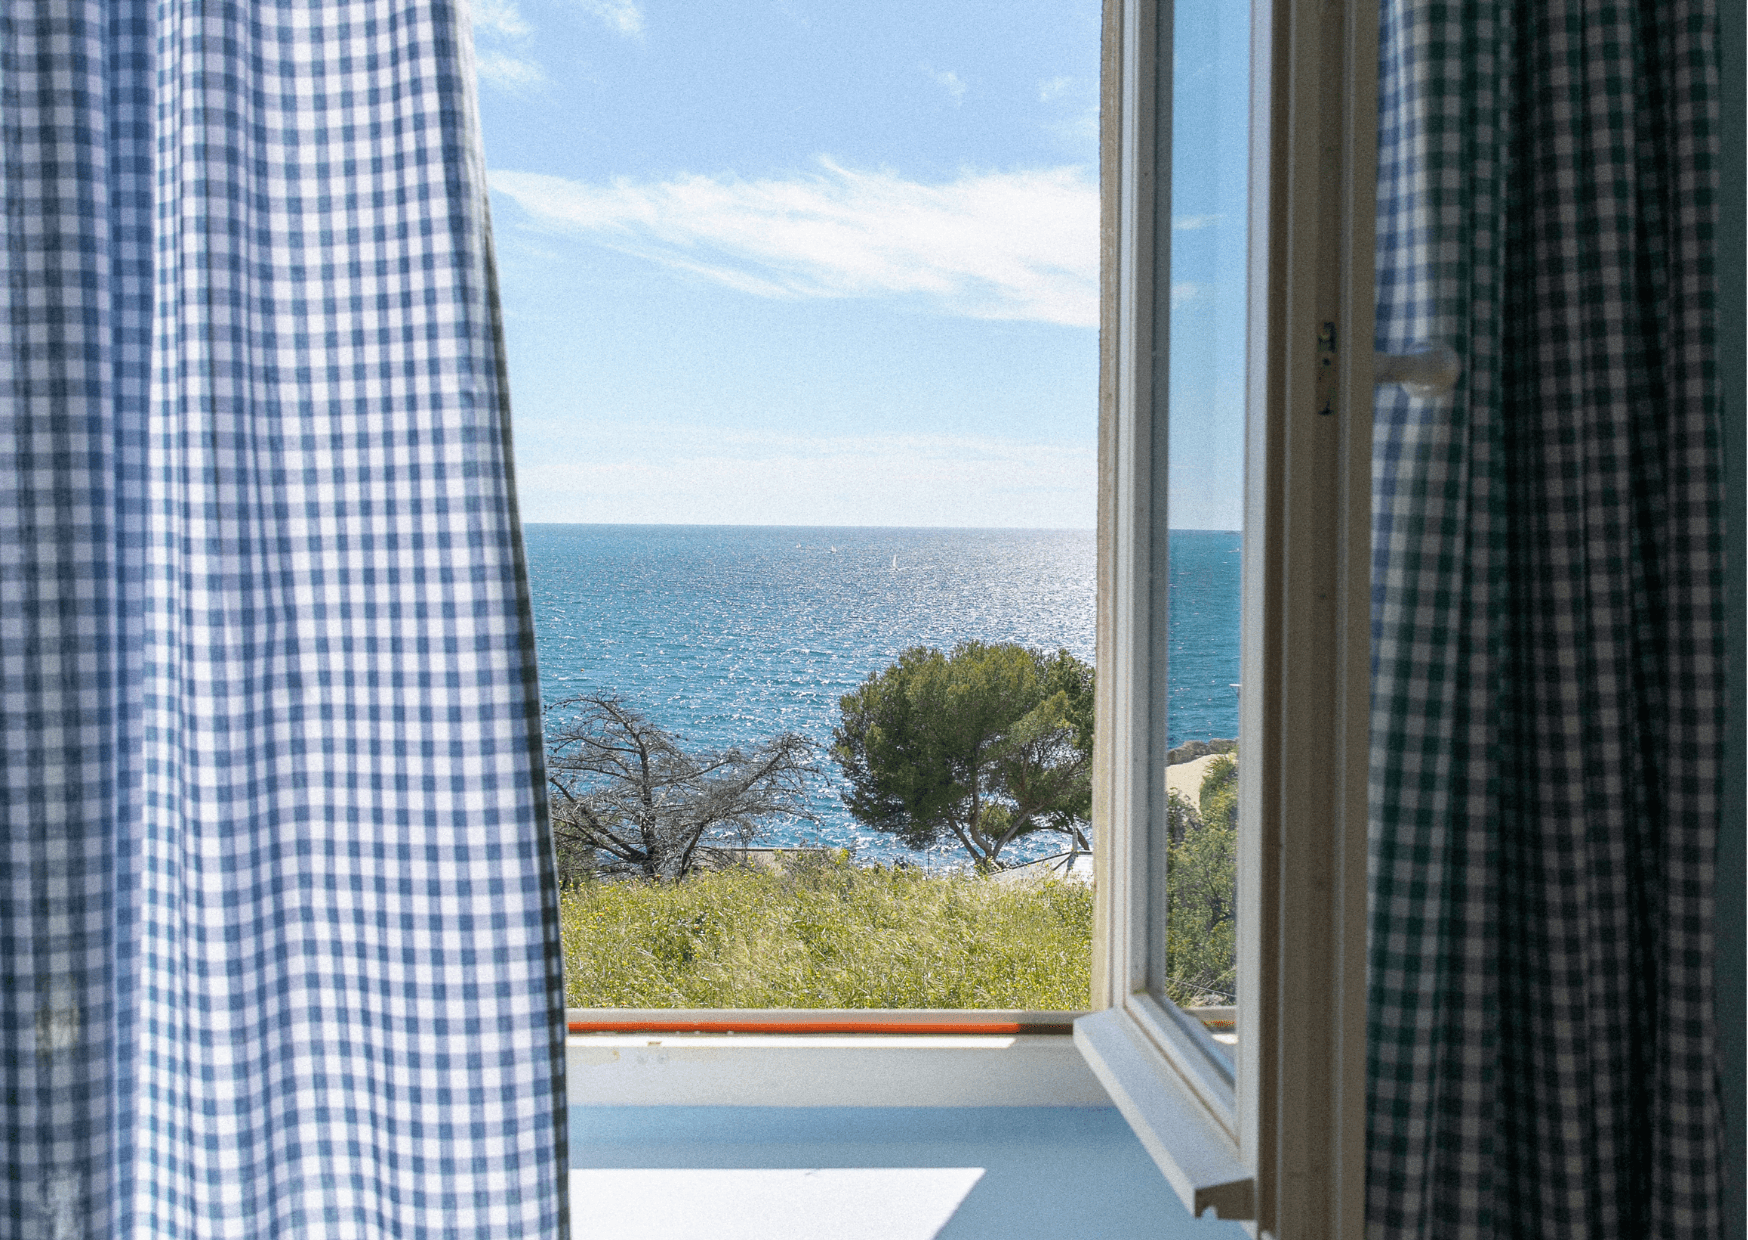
826, 934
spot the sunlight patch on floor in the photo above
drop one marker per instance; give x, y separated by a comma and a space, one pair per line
832, 1203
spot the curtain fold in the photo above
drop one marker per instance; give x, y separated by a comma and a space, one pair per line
277, 922
1548, 625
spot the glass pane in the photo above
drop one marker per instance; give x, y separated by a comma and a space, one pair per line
801, 306
1209, 183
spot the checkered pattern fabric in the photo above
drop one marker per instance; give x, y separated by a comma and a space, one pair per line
277, 919
1547, 614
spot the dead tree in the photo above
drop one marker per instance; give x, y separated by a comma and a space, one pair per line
628, 800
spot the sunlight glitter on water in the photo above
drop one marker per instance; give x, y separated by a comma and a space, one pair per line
727, 634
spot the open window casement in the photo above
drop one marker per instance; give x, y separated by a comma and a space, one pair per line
1272, 1132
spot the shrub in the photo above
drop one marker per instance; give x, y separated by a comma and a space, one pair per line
823, 933
1201, 888
980, 745
1201, 930
1219, 794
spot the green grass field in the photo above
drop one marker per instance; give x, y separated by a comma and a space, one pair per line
828, 934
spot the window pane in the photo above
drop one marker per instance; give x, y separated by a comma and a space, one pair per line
1209, 181
801, 306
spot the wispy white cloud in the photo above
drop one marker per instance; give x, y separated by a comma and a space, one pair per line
1055, 88
709, 475
1185, 291
498, 23
507, 71
951, 81
1002, 245
1190, 223
622, 16
500, 17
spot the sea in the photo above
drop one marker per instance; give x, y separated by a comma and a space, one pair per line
724, 635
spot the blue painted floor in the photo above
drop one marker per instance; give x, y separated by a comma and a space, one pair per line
910, 1173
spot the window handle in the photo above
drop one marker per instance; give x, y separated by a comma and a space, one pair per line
1428, 371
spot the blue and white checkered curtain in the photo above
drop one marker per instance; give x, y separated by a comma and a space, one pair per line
277, 919
1547, 710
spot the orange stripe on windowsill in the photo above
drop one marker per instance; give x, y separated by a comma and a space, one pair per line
815, 1026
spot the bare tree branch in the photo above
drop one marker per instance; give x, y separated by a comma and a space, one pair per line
629, 799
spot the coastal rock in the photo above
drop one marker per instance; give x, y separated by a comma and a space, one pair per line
1189, 751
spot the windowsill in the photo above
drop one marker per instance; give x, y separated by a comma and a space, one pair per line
815, 1058
764, 1173
829, 1070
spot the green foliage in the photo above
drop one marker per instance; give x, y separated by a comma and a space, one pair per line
1201, 879
1200, 940
1180, 816
1219, 795
984, 744
826, 934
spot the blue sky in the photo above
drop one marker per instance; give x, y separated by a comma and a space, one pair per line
787, 262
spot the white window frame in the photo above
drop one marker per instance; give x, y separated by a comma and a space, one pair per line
1280, 1142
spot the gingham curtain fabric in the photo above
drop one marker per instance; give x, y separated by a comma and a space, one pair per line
1546, 723
277, 921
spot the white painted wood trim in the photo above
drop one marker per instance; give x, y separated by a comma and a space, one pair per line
1302, 865
1170, 1081
1296, 1106
1198, 1158
905, 1070
1128, 555
1194, 1056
